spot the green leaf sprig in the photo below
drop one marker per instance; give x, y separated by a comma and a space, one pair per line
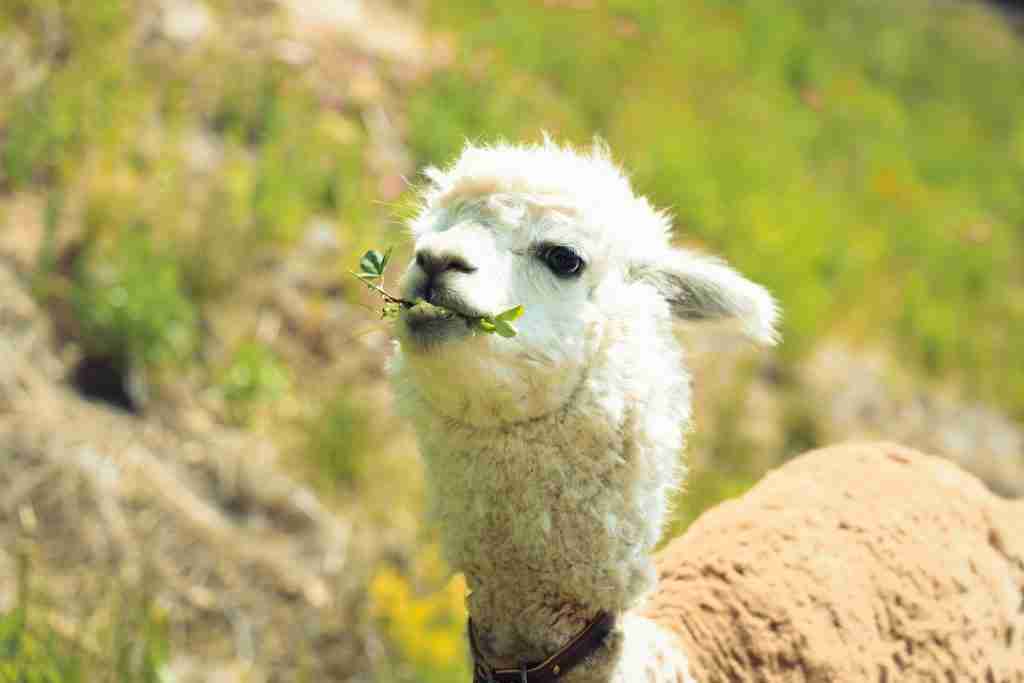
371, 273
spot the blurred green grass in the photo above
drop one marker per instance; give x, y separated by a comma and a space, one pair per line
131, 646
863, 159
123, 130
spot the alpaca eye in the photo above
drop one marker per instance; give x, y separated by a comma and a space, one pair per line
563, 261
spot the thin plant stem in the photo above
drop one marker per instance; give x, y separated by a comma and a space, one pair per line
390, 298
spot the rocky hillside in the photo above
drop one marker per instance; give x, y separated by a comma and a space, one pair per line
242, 564
209, 511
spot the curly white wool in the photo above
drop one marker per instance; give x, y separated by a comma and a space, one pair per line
551, 456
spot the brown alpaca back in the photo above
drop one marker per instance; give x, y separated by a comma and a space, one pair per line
866, 562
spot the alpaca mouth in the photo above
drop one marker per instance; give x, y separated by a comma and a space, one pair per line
426, 313
428, 324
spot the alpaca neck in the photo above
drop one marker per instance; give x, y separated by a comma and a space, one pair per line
552, 519
545, 547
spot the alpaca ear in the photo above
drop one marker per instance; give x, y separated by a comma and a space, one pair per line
702, 288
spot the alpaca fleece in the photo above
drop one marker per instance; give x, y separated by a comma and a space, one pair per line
553, 519
867, 562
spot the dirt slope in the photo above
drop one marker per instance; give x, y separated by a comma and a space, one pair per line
254, 572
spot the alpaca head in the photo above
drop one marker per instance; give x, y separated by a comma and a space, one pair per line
561, 233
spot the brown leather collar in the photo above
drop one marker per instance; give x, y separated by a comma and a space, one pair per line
548, 671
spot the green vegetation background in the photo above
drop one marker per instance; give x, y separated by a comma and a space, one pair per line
865, 160
862, 158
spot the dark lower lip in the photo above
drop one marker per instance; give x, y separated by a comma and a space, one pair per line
414, 322
425, 312
422, 314
428, 330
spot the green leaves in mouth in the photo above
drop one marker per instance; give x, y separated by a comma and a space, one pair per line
371, 273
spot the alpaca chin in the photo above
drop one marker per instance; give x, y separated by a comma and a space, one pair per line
488, 382
424, 333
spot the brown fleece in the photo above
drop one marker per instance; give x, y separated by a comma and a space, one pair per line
866, 562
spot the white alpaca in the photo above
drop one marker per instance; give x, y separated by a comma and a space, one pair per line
550, 457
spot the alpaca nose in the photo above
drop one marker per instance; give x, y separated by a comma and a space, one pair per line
434, 262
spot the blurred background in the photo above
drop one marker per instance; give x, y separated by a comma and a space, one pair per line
201, 475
